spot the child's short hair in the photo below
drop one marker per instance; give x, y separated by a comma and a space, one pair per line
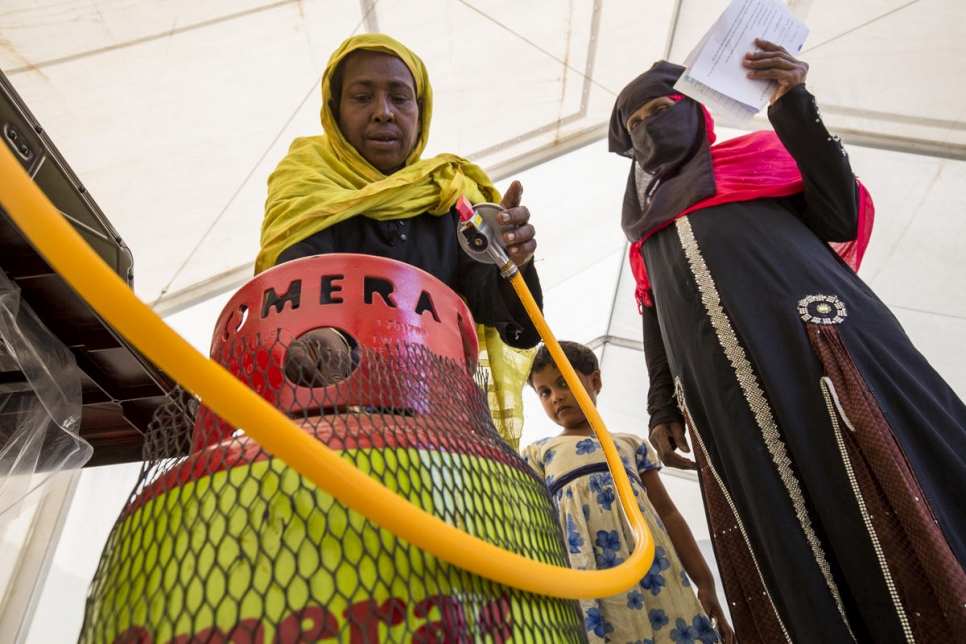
583, 359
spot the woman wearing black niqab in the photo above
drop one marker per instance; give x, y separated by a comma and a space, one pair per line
831, 454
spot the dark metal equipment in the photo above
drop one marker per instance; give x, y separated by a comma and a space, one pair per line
121, 389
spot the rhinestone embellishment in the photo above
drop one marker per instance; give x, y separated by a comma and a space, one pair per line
822, 309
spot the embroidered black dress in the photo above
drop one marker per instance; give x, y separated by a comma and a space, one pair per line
832, 456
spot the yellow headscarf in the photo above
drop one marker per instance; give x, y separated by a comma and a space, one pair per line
324, 180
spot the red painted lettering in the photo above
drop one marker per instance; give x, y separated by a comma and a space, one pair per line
134, 635
450, 628
306, 626
367, 622
365, 617
247, 631
495, 619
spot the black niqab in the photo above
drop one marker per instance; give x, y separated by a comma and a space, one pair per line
671, 148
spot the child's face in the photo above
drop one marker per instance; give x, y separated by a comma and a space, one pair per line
558, 401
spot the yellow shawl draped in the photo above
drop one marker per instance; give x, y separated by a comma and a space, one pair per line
323, 180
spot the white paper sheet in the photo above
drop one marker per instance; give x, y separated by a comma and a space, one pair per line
715, 75
733, 110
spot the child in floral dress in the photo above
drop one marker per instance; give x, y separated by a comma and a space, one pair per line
662, 607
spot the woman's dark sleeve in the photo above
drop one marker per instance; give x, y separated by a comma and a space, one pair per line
494, 302
661, 404
321, 243
831, 193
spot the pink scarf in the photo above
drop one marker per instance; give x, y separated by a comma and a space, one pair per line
750, 167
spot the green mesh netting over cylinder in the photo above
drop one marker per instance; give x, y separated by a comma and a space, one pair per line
230, 545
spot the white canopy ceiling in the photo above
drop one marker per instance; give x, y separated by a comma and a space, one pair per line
174, 113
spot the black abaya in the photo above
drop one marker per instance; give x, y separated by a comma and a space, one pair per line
727, 283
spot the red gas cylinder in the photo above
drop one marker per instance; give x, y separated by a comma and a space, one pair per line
374, 302
231, 545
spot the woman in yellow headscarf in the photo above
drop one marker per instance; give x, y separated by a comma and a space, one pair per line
361, 187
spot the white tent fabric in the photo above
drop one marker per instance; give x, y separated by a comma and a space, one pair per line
174, 114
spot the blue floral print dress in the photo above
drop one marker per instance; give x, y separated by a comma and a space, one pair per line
662, 607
